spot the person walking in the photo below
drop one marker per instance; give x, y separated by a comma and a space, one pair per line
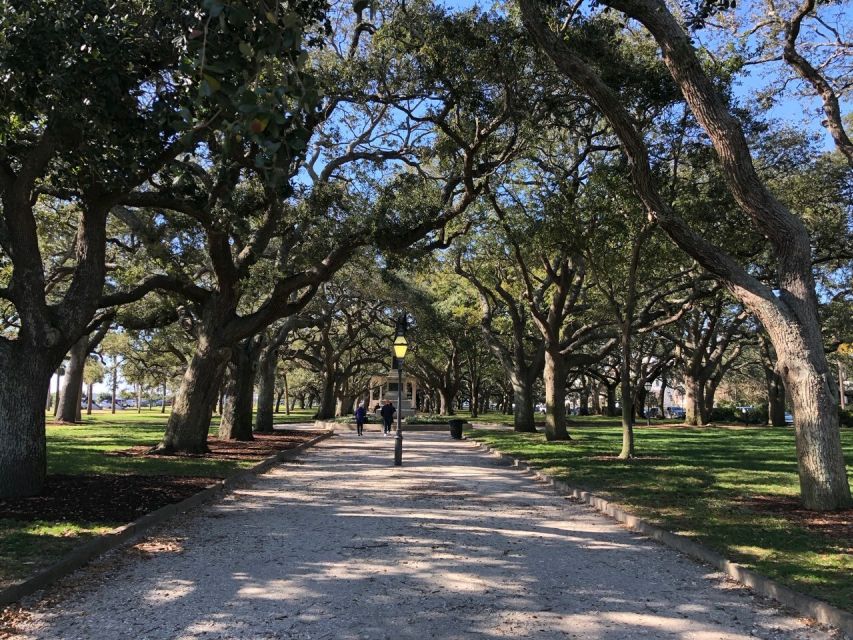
387, 412
360, 418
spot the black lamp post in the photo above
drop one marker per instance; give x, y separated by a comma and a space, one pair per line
401, 345
648, 386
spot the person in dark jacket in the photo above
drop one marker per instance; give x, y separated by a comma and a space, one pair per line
387, 413
360, 418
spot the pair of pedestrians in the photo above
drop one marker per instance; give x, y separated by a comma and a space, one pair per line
387, 412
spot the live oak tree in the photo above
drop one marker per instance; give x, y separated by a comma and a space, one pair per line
804, 48
101, 100
788, 311
707, 342
505, 319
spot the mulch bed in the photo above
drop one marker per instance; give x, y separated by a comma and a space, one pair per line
837, 525
263, 446
110, 499
102, 499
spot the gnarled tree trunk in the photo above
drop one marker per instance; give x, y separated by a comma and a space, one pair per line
23, 454
195, 399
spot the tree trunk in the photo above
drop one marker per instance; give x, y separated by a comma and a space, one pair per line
693, 399
287, 405
195, 399
823, 477
524, 416
475, 400
279, 394
56, 395
583, 408
326, 409
611, 400
662, 396
775, 398
444, 406
139, 398
115, 387
555, 398
89, 399
163, 407
23, 456
69, 406
708, 402
596, 398
236, 423
266, 390
627, 398
347, 404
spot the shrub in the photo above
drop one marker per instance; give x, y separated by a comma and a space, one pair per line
428, 419
845, 418
725, 414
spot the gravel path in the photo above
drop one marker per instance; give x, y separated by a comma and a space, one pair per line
451, 545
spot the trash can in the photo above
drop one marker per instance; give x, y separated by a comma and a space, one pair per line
456, 429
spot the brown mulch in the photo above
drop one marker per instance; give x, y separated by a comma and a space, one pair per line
263, 446
837, 525
10, 618
110, 498
101, 499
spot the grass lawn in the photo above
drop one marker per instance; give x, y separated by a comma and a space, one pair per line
733, 490
79, 450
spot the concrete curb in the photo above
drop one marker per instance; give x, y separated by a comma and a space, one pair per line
806, 605
120, 535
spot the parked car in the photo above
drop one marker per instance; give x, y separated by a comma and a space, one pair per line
676, 412
653, 412
789, 419
540, 408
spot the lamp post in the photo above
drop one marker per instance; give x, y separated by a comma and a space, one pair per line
401, 345
648, 386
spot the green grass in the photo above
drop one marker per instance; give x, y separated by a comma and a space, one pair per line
698, 482
79, 449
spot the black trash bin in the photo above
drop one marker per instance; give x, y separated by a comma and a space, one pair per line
456, 429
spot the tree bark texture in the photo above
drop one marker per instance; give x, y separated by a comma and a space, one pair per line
236, 423
266, 391
694, 397
23, 455
195, 399
72, 388
524, 416
555, 398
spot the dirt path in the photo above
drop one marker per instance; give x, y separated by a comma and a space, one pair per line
451, 545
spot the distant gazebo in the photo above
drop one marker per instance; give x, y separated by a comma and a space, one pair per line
385, 388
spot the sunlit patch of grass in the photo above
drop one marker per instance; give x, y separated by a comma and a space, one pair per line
700, 482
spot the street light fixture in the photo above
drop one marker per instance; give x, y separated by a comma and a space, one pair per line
401, 346
648, 386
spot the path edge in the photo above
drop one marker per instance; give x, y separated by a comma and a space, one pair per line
808, 606
83, 554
